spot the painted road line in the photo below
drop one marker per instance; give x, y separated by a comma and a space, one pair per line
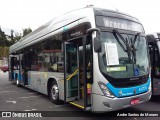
6, 91
14, 102
31, 110
28, 97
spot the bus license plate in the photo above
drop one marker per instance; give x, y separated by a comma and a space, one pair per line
134, 101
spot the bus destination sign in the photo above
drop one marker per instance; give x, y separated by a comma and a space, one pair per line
119, 23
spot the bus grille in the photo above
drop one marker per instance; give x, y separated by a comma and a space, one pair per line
127, 82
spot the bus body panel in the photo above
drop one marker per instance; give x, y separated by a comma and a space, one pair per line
114, 103
38, 81
156, 86
109, 104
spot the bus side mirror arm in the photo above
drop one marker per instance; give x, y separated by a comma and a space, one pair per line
90, 30
97, 43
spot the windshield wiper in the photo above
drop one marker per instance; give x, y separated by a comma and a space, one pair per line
133, 46
128, 50
122, 38
119, 42
135, 39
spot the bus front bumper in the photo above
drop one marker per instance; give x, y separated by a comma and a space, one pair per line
103, 104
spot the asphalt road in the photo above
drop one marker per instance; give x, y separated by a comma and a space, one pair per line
13, 98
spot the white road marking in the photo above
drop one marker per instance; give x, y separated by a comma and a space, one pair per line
6, 91
28, 97
31, 93
10, 87
27, 110
14, 102
30, 110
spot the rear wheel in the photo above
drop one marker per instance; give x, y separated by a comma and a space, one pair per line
54, 93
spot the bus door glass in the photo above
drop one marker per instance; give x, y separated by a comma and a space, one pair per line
71, 72
87, 71
24, 67
11, 67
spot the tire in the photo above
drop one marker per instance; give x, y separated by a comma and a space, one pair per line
17, 82
54, 93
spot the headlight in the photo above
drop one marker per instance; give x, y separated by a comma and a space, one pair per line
105, 90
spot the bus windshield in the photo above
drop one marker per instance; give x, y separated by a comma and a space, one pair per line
117, 61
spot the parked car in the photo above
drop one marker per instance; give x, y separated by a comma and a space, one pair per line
4, 68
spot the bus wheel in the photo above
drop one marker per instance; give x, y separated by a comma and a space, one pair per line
17, 82
54, 93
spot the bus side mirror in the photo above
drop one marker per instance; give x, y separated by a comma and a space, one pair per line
97, 45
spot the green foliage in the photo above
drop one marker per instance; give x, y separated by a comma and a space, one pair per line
3, 39
15, 39
4, 52
26, 31
4, 43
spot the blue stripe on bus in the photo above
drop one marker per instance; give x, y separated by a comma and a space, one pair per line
124, 92
14, 76
19, 76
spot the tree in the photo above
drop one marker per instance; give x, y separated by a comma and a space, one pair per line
3, 39
16, 38
26, 31
4, 52
12, 37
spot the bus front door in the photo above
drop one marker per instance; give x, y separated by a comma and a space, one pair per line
24, 68
11, 68
71, 74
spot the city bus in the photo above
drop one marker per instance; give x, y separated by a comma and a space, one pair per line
154, 51
93, 58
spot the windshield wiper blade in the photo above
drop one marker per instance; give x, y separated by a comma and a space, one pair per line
119, 42
133, 50
135, 38
122, 38
128, 50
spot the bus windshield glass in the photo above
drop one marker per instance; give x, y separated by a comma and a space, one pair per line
117, 61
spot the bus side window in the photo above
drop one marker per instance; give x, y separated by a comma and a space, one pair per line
53, 56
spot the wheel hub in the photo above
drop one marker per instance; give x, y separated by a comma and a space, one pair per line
54, 92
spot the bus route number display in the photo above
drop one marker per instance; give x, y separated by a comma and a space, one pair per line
122, 24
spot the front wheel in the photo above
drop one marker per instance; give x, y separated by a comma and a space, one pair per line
54, 93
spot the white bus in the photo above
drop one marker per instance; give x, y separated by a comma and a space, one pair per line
93, 58
154, 51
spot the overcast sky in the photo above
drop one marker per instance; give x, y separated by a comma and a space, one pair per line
19, 14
